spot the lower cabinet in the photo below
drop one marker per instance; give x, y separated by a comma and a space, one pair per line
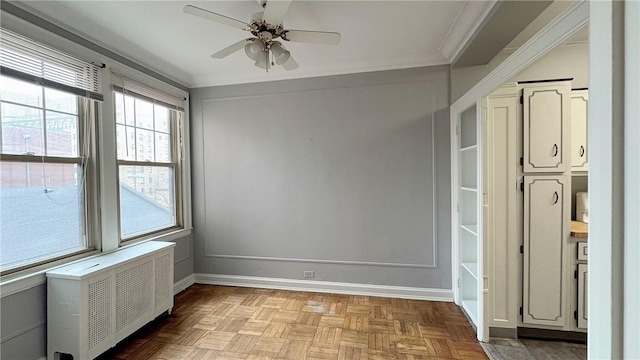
583, 289
547, 207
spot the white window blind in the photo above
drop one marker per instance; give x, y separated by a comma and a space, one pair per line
136, 89
25, 59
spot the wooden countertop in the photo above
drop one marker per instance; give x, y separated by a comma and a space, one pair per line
579, 229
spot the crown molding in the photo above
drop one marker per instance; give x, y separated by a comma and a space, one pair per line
469, 21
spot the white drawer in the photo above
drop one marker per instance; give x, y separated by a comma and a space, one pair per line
583, 250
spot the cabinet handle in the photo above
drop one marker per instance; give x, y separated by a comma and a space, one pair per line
556, 197
581, 151
555, 150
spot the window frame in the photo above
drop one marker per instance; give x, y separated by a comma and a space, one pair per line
176, 164
85, 159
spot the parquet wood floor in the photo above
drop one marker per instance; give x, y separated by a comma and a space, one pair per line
219, 322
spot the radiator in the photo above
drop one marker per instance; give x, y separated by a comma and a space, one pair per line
94, 304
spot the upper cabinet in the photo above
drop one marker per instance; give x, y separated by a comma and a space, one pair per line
579, 119
546, 126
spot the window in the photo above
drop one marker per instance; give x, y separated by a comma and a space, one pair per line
147, 206
45, 143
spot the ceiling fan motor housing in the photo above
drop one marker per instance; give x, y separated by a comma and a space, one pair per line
258, 27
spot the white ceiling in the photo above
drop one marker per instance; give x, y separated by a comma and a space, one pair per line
376, 35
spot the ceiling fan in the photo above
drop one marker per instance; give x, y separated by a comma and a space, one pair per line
266, 26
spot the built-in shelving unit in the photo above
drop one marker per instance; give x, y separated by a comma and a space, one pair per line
472, 268
468, 213
473, 229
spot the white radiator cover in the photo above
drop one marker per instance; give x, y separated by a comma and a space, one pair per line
94, 304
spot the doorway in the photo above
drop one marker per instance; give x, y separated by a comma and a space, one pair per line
473, 102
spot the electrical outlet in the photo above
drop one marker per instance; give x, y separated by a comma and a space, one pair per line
309, 274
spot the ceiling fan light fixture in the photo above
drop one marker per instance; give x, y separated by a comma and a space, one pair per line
263, 61
253, 48
280, 54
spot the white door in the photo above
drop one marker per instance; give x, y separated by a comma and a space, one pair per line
545, 230
579, 119
546, 120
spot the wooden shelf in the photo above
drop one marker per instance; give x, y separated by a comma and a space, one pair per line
473, 229
469, 148
471, 268
579, 229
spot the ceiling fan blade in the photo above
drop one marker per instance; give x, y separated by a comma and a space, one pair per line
290, 64
206, 14
229, 50
314, 37
275, 10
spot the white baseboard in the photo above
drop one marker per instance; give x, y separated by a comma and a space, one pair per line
327, 287
181, 285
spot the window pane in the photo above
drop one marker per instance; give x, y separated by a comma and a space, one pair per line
40, 211
144, 114
20, 92
163, 148
61, 101
121, 116
62, 134
21, 130
125, 136
161, 118
145, 145
147, 200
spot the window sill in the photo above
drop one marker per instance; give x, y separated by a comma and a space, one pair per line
170, 235
37, 276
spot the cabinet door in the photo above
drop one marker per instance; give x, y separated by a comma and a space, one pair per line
582, 296
502, 216
545, 231
579, 118
546, 120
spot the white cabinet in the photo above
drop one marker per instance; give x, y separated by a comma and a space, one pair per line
583, 290
546, 227
546, 125
579, 119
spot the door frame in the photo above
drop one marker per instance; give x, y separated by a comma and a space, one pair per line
553, 34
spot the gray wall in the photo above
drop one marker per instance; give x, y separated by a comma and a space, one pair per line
183, 258
23, 324
347, 175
